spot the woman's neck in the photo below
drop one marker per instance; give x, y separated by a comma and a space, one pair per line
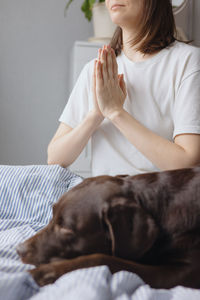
131, 51
134, 55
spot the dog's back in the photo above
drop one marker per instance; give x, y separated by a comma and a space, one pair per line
173, 200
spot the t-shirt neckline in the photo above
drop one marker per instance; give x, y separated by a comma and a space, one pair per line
148, 61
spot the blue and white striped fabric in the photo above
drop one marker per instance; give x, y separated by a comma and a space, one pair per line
26, 198
27, 194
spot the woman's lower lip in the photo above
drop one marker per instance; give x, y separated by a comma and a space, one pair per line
116, 6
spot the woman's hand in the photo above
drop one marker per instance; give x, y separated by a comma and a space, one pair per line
95, 103
110, 87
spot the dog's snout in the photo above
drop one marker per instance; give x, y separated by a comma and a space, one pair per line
21, 249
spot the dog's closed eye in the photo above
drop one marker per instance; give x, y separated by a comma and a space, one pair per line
63, 231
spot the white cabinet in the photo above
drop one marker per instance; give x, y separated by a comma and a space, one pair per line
83, 52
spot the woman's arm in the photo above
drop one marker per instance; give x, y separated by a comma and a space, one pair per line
164, 154
68, 143
184, 152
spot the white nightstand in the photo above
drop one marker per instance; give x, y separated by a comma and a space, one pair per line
83, 52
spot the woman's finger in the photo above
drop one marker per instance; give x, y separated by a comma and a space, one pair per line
104, 64
103, 48
123, 84
119, 80
109, 63
99, 77
99, 54
114, 63
94, 77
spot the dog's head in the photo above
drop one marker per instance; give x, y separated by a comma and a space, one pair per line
100, 215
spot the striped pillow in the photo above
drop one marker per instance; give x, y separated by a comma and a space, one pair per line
27, 194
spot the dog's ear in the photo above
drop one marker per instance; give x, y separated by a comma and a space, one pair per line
132, 230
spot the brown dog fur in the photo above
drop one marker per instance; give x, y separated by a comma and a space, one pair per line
148, 224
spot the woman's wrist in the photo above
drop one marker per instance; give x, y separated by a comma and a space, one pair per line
115, 114
96, 116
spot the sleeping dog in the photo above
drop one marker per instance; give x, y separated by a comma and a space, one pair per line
148, 224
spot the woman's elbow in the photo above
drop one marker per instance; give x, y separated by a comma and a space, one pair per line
190, 161
50, 159
53, 159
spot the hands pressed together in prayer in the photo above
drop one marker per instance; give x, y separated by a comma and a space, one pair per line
109, 89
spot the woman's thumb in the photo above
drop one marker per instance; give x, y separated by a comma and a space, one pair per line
122, 83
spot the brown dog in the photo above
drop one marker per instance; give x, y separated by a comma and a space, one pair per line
148, 224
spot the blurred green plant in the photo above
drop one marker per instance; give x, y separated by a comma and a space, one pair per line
86, 7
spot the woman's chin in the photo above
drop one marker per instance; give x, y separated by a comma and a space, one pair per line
116, 21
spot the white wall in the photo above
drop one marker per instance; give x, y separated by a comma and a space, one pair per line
196, 23
35, 47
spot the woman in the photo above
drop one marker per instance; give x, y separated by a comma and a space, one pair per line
147, 118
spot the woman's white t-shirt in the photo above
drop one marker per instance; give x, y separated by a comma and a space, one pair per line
163, 94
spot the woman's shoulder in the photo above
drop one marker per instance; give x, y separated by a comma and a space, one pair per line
187, 51
184, 58
88, 67
86, 71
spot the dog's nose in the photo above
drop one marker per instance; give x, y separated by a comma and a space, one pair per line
21, 249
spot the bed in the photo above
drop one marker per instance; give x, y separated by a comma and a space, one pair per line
27, 194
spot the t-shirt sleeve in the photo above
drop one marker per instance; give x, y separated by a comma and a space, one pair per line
187, 105
77, 106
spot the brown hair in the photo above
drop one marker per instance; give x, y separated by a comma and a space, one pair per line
157, 28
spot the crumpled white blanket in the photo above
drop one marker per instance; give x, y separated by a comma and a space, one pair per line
98, 283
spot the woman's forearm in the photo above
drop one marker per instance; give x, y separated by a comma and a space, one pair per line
65, 149
163, 153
